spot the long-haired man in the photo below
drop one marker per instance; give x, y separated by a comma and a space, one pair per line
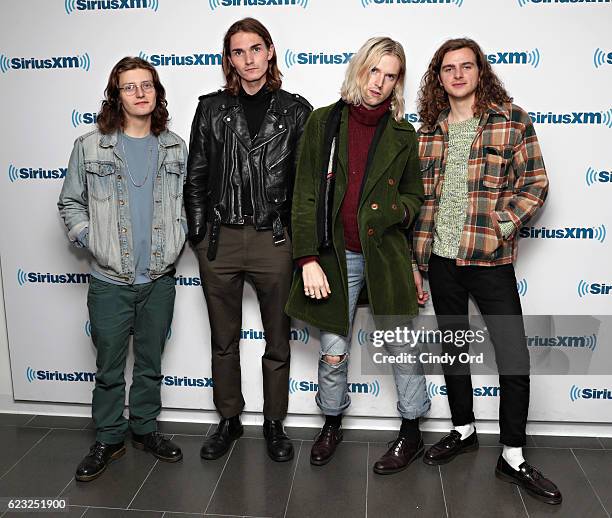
484, 177
122, 201
238, 199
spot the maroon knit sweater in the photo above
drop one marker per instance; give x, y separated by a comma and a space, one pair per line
361, 128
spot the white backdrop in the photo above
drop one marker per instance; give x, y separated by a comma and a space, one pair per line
55, 55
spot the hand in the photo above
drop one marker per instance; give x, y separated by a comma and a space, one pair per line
315, 281
422, 296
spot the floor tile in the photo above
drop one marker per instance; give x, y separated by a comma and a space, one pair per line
71, 512
598, 468
14, 443
563, 469
606, 442
252, 483
117, 485
550, 441
54, 421
337, 489
416, 491
471, 489
353, 434
172, 427
184, 486
120, 513
14, 419
49, 466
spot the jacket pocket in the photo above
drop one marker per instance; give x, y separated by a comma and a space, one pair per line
428, 170
495, 176
275, 179
100, 179
174, 179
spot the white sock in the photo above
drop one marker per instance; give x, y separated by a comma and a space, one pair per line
513, 456
465, 430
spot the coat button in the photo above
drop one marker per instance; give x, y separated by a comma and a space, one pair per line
228, 119
374, 206
222, 107
394, 206
370, 232
118, 177
280, 126
121, 202
124, 230
391, 181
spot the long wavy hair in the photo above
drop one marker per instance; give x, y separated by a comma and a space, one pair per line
433, 99
232, 79
358, 73
111, 117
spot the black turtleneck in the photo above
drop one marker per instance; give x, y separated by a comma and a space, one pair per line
255, 107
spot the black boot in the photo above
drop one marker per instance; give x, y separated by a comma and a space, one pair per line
217, 445
160, 446
95, 462
280, 448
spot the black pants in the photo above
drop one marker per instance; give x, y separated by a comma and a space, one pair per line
494, 291
245, 253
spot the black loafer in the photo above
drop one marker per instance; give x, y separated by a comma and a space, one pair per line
399, 456
447, 448
280, 448
95, 462
217, 445
530, 479
159, 445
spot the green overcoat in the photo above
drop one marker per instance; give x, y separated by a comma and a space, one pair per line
393, 182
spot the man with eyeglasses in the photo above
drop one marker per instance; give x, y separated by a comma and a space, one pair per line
122, 200
238, 200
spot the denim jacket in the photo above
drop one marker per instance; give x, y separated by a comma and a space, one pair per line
95, 197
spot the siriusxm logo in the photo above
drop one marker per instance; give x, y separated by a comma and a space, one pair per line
31, 173
51, 278
186, 381
188, 60
316, 58
371, 389
577, 342
413, 117
44, 375
78, 61
102, 5
576, 393
296, 334
521, 287
366, 3
601, 58
603, 117
364, 338
181, 280
597, 233
77, 118
530, 57
213, 4
522, 3
593, 288
593, 176
434, 390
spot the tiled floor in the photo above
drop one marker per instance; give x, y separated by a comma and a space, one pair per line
38, 456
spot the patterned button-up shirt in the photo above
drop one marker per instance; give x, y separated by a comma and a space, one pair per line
506, 182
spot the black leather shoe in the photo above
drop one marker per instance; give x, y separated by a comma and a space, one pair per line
325, 444
160, 446
217, 445
279, 445
530, 479
447, 448
95, 462
399, 456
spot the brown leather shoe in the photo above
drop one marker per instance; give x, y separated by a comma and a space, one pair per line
399, 456
325, 444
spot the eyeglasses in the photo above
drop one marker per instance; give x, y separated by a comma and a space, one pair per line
130, 88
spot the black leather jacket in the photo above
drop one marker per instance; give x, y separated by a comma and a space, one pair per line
220, 147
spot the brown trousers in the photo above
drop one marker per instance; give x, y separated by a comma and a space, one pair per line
244, 253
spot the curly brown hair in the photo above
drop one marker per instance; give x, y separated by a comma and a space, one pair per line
111, 117
433, 99
232, 79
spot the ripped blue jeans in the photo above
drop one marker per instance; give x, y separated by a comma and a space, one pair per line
333, 396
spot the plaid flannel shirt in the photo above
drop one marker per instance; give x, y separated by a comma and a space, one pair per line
506, 182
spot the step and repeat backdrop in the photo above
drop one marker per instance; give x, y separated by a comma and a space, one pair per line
554, 56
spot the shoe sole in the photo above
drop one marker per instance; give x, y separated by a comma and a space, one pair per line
511, 480
432, 462
315, 462
219, 455
397, 470
141, 446
88, 478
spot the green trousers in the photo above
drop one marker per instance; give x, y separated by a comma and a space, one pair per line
115, 312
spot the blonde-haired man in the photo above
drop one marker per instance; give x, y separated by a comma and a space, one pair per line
357, 190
